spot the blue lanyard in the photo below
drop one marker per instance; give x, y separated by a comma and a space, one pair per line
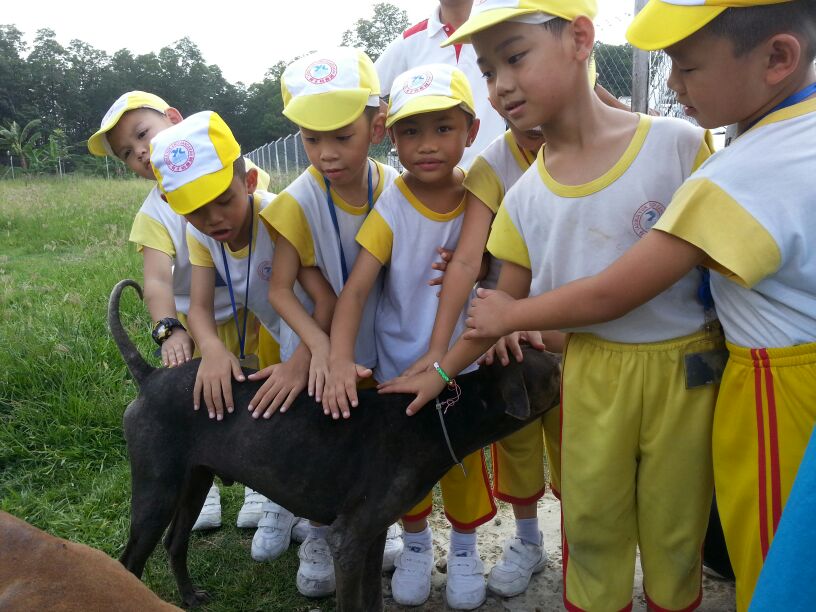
241, 336
796, 98
333, 213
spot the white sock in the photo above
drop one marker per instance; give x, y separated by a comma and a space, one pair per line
418, 542
320, 532
527, 530
462, 544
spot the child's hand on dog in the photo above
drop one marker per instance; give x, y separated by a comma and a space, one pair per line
340, 392
177, 349
426, 386
512, 343
214, 381
284, 382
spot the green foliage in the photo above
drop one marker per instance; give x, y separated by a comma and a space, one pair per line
20, 141
373, 35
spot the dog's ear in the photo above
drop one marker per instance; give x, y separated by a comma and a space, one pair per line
513, 392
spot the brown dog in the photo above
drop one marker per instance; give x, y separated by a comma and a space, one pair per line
41, 572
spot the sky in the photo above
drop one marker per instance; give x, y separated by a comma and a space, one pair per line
244, 39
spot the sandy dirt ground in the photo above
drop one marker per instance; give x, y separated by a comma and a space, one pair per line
545, 590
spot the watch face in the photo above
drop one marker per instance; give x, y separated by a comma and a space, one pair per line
162, 331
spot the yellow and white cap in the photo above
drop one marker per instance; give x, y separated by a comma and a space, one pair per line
428, 88
487, 13
192, 161
662, 23
327, 90
98, 143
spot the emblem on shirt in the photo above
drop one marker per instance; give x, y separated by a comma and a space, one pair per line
265, 270
646, 216
179, 156
417, 83
321, 71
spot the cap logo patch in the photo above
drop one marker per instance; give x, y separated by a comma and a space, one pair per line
321, 71
179, 156
418, 83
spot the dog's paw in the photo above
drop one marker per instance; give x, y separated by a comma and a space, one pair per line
195, 598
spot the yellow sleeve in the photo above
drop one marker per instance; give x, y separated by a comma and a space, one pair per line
706, 150
483, 182
263, 177
376, 237
147, 232
285, 217
199, 254
737, 245
505, 241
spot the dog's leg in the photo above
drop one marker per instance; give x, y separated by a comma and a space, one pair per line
152, 505
359, 586
177, 540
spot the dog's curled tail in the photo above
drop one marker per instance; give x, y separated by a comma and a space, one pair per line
138, 367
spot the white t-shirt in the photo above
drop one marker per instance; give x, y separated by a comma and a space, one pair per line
419, 45
752, 209
157, 227
491, 176
207, 252
565, 232
403, 234
300, 214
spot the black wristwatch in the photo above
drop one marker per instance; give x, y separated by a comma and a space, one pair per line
163, 328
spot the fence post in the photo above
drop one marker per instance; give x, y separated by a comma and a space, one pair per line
107, 171
297, 161
277, 158
11, 163
640, 73
286, 154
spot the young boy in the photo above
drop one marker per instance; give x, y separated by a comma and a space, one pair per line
202, 176
431, 122
160, 235
334, 98
747, 215
635, 451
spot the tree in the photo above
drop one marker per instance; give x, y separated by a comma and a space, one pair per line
373, 35
19, 141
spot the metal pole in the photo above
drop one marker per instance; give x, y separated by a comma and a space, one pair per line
11, 163
107, 171
295, 141
286, 154
640, 73
277, 158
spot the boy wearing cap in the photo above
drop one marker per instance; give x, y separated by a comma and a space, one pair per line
160, 235
333, 97
747, 215
431, 121
635, 443
203, 177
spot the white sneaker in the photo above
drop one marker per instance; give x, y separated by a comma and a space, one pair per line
519, 561
300, 531
411, 582
315, 575
210, 515
393, 547
465, 589
252, 510
274, 532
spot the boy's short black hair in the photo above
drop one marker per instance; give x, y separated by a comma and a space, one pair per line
371, 112
555, 26
239, 168
747, 27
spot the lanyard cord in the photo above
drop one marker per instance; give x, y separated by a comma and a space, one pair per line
796, 98
333, 213
241, 336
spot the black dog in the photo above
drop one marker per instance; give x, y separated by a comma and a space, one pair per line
357, 475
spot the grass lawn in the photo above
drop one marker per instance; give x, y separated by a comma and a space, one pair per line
64, 387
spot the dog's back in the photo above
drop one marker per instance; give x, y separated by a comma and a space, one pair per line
41, 572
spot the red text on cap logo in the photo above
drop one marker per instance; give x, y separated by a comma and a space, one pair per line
417, 83
179, 156
321, 71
